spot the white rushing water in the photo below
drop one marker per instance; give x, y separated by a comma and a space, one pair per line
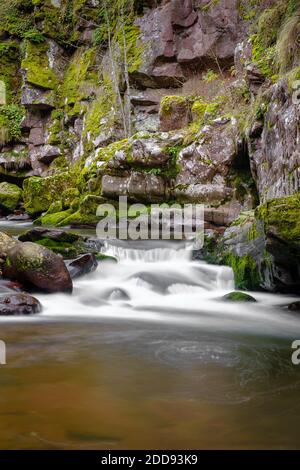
161, 284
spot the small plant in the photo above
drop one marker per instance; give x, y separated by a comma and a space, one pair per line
11, 117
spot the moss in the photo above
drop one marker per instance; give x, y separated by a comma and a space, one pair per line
10, 196
68, 196
80, 78
101, 114
9, 70
246, 272
67, 250
39, 193
54, 220
11, 117
283, 215
102, 257
238, 297
168, 103
36, 65
55, 207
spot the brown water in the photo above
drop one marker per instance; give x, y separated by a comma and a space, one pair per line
122, 386
144, 355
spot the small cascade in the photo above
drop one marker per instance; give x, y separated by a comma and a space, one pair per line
146, 254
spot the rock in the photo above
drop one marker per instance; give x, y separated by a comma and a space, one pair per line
149, 153
10, 286
22, 216
294, 306
85, 264
34, 265
10, 196
175, 113
138, 186
39, 193
18, 304
177, 36
238, 297
48, 153
102, 257
57, 235
274, 150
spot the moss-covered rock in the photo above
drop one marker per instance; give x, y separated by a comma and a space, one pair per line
10, 196
238, 297
68, 197
36, 66
282, 217
40, 193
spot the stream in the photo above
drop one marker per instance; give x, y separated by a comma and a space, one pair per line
144, 354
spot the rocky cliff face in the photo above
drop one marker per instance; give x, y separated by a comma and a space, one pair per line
179, 100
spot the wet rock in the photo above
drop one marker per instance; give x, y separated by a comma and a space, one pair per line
34, 265
10, 196
294, 306
238, 297
10, 286
57, 235
19, 216
85, 264
18, 304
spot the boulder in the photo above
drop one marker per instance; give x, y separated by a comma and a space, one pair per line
238, 297
39, 193
34, 265
294, 306
18, 304
83, 265
10, 196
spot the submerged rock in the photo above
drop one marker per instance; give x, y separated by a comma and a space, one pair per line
83, 265
18, 304
238, 297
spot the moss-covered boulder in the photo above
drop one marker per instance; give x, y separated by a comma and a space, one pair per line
40, 193
238, 297
10, 196
35, 266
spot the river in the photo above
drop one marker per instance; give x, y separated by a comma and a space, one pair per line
144, 354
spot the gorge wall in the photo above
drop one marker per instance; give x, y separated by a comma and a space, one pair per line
175, 100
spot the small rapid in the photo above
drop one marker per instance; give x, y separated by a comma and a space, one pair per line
160, 283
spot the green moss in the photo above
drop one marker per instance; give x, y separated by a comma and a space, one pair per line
101, 114
40, 193
102, 257
67, 250
36, 65
246, 272
168, 103
11, 116
68, 196
238, 297
9, 70
80, 77
283, 215
54, 220
10, 196
55, 207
